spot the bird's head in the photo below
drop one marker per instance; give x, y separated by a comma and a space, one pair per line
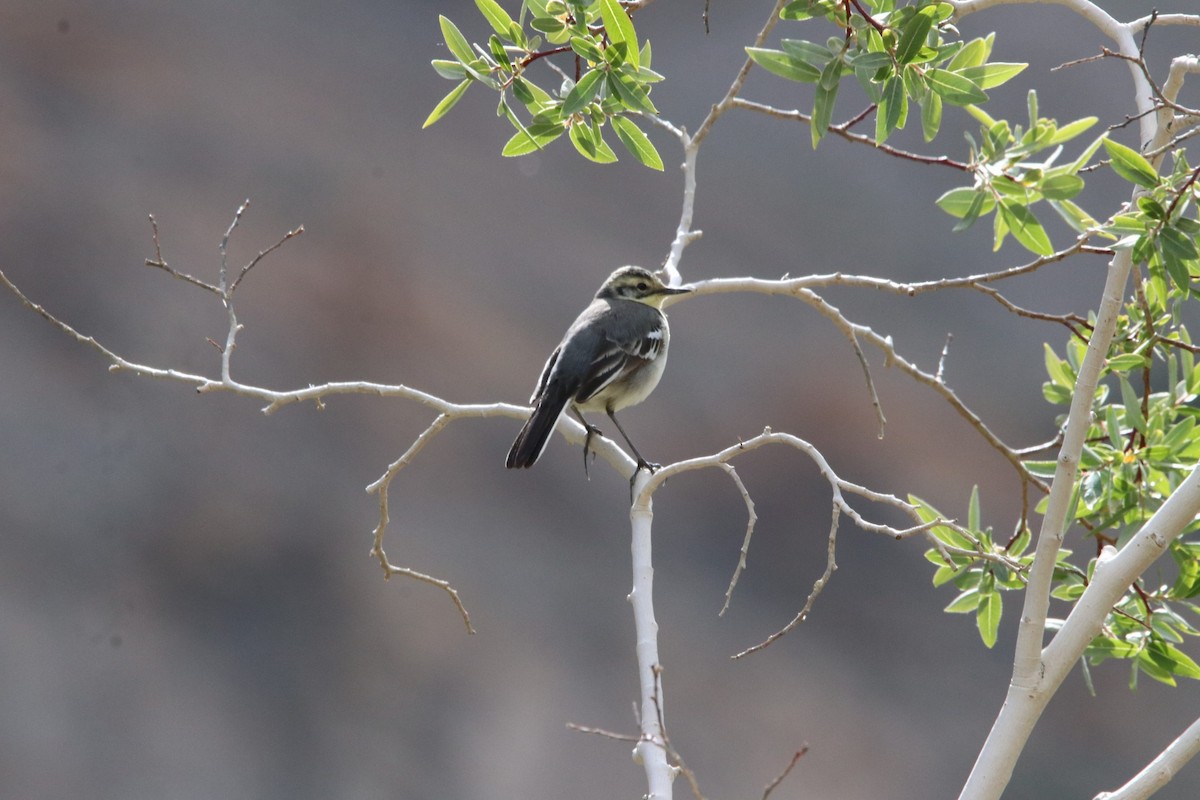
637, 283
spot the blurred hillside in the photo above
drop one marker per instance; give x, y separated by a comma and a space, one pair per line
186, 600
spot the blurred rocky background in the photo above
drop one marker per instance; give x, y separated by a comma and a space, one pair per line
187, 605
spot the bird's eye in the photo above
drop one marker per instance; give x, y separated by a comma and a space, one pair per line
642, 286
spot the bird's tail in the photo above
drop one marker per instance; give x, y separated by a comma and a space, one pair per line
531, 441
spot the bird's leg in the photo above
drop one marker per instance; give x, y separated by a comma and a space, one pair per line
592, 430
641, 462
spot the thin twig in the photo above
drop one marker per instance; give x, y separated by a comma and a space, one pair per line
159, 262
1077, 325
787, 771
843, 130
263, 254
620, 737
751, 519
224, 248
866, 368
818, 587
941, 367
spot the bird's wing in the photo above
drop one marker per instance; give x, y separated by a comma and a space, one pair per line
540, 389
623, 349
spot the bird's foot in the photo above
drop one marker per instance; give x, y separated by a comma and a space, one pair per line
643, 464
649, 466
592, 430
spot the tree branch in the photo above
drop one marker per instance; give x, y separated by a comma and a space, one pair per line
1159, 772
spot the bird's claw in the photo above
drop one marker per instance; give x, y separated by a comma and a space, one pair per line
592, 430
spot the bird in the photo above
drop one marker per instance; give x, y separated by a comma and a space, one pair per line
610, 358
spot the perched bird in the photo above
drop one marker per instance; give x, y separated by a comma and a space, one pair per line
611, 357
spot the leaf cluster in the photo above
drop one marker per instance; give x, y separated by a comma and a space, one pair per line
976, 564
1141, 445
610, 81
901, 56
1009, 180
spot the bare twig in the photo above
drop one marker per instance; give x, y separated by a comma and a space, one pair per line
787, 771
941, 367
843, 130
751, 519
224, 248
447, 411
620, 737
866, 368
818, 587
674, 755
840, 488
159, 262
292, 234
1077, 325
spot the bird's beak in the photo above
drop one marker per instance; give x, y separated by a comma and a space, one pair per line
674, 290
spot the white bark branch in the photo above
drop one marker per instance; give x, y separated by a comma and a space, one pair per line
1037, 674
1159, 772
651, 749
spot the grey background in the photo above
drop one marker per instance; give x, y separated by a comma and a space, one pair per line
187, 607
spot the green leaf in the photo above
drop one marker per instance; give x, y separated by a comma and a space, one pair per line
931, 114
822, 111
582, 93
1079, 220
631, 94
537, 134
973, 509
455, 41
972, 54
999, 230
987, 617
499, 53
818, 55
1072, 129
893, 108
496, 16
591, 145
547, 25
1130, 164
912, 36
965, 603
586, 49
447, 103
1025, 227
1180, 663
1061, 187
987, 76
1103, 647
620, 29
954, 88
1057, 368
1155, 665
1178, 270
1151, 207
866, 62
944, 533
831, 74
1178, 244
783, 65
1020, 542
637, 142
533, 96
982, 204
1187, 557
961, 202
1133, 406
449, 68
1127, 361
